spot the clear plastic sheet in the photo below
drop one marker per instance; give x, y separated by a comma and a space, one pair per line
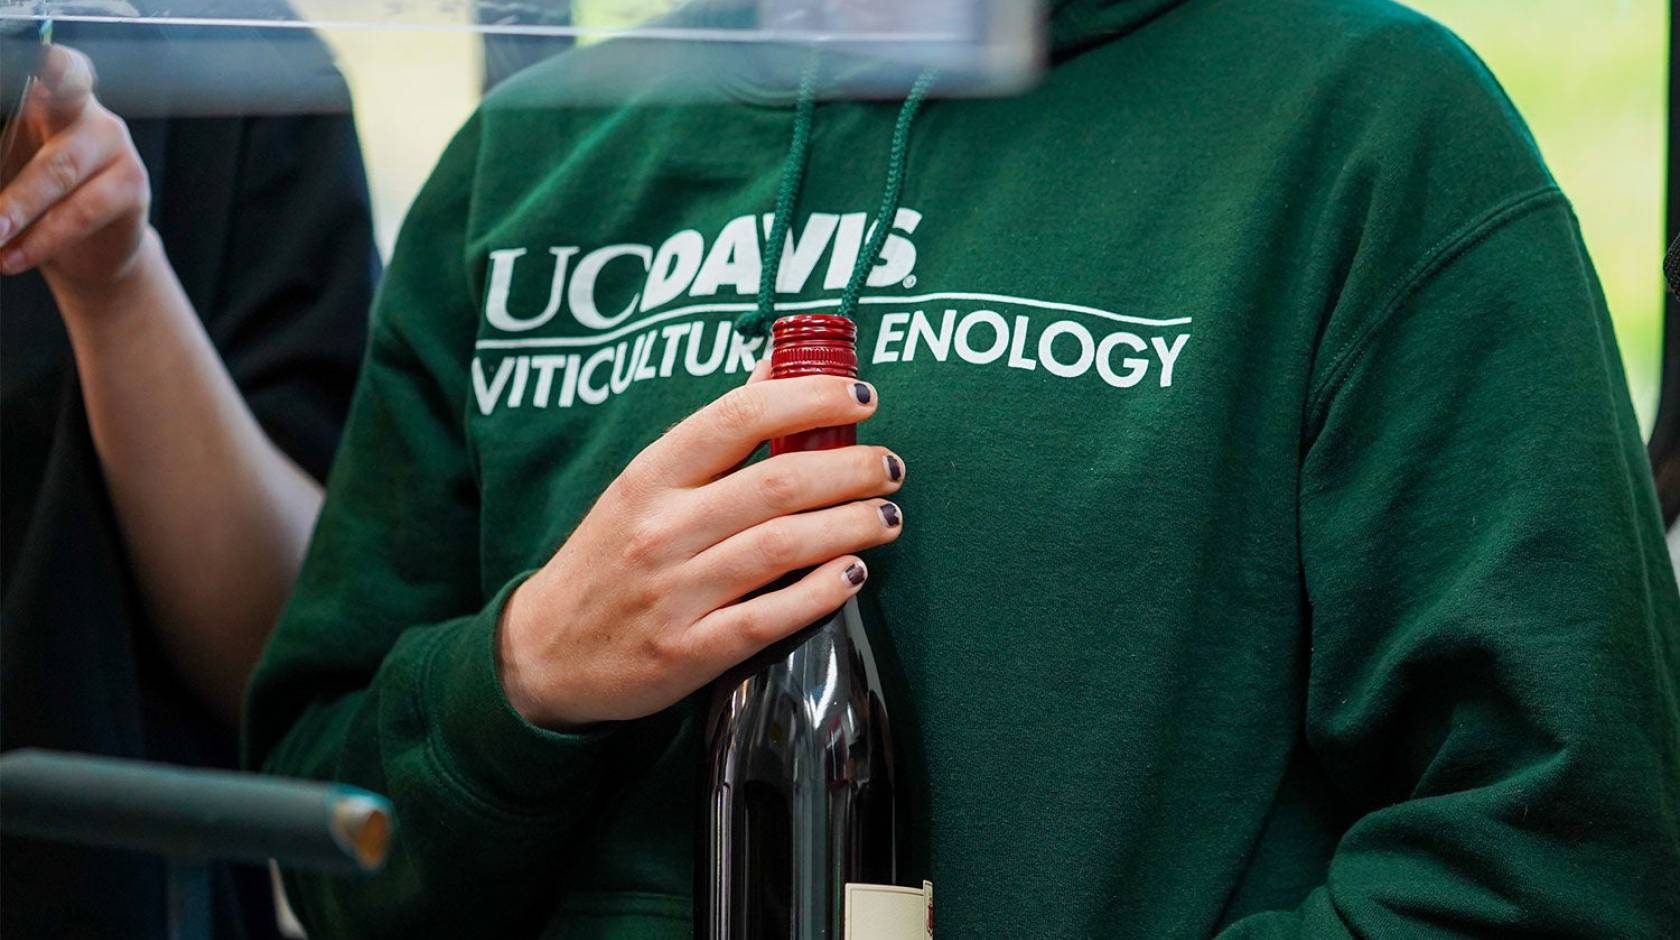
179, 57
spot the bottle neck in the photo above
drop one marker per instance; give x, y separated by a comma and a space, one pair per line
814, 344
819, 439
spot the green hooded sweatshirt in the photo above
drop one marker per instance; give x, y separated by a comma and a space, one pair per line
1281, 557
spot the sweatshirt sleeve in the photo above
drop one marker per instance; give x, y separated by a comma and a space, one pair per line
382, 670
1494, 627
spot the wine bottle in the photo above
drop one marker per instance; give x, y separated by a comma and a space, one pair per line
805, 828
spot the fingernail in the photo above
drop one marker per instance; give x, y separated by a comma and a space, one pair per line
854, 574
891, 516
5, 229
863, 392
895, 470
11, 262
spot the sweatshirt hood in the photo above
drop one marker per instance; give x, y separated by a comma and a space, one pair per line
1074, 25
1079, 24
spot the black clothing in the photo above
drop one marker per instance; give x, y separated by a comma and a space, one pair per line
267, 222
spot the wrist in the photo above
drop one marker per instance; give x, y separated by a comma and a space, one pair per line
520, 677
488, 749
90, 305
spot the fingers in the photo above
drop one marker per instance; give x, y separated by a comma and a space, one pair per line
761, 372
722, 434
64, 86
63, 164
785, 484
725, 637
747, 561
112, 195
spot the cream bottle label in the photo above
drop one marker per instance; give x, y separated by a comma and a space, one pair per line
889, 912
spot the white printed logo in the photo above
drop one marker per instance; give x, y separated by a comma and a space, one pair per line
649, 335
683, 265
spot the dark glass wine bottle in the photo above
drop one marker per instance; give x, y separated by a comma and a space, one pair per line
805, 829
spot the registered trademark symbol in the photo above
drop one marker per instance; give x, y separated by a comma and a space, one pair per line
910, 282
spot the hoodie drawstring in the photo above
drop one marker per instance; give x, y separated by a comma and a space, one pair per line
757, 321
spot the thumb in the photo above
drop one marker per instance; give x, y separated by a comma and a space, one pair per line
64, 86
761, 371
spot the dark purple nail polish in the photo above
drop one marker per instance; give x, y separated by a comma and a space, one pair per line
854, 574
895, 470
891, 516
862, 392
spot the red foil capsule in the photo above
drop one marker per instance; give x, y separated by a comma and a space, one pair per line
814, 344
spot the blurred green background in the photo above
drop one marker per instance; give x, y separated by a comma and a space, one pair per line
1590, 76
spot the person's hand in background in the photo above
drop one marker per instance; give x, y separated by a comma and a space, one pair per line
76, 193
215, 516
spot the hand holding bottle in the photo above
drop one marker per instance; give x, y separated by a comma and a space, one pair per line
644, 604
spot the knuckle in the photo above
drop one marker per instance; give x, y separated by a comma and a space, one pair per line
756, 628
663, 650
666, 601
646, 541
131, 173
80, 216
63, 169
781, 487
741, 410
774, 547
640, 484
744, 624
631, 484
644, 597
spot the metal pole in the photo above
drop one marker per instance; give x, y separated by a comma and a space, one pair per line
193, 814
